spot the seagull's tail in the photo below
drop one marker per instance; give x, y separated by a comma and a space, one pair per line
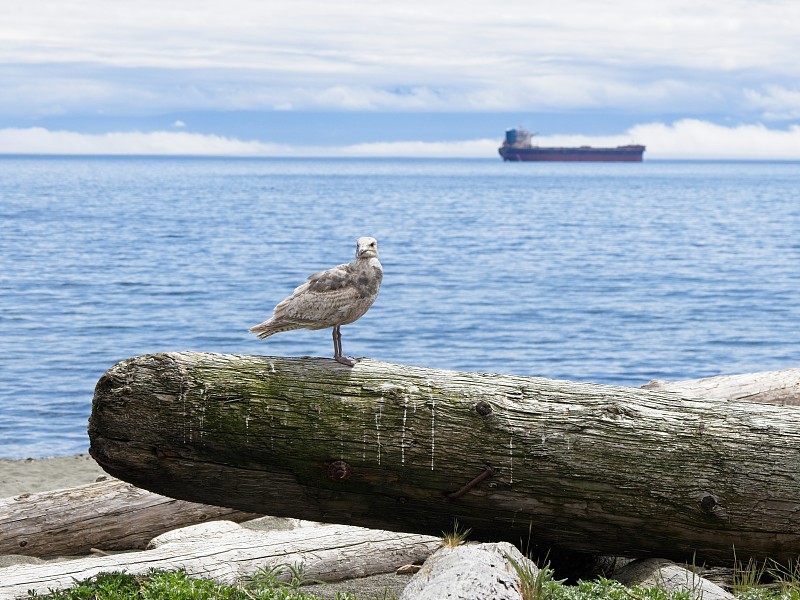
268, 328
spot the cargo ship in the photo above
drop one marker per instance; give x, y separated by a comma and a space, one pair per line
517, 147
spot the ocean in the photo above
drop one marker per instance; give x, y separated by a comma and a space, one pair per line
610, 273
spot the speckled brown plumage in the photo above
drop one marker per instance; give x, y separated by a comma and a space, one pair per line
330, 298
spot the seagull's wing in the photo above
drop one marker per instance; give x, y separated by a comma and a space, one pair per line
322, 300
330, 280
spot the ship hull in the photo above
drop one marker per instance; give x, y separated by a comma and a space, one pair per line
587, 154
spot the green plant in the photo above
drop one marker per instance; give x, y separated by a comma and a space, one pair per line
456, 537
157, 585
536, 583
746, 577
177, 585
787, 577
266, 576
270, 576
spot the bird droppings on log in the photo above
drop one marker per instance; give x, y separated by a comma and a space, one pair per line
583, 477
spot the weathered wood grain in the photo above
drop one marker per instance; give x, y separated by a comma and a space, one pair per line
227, 553
584, 467
767, 387
107, 515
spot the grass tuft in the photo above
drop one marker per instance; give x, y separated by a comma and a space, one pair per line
536, 583
456, 537
787, 578
747, 577
274, 576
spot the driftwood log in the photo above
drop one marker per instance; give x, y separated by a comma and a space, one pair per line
767, 387
107, 515
228, 553
581, 467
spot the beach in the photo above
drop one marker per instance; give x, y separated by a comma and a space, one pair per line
32, 475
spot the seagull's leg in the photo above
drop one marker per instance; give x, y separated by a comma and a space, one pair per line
337, 344
337, 349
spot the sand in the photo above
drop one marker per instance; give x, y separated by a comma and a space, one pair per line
33, 475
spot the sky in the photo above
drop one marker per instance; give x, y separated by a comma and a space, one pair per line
687, 78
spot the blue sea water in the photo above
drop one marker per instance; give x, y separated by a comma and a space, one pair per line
612, 273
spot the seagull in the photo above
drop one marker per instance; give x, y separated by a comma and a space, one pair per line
331, 298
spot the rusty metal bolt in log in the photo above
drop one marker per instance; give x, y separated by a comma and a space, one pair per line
487, 473
339, 470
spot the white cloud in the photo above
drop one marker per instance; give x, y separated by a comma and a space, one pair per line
777, 102
318, 36
461, 149
179, 124
691, 138
37, 140
355, 54
683, 139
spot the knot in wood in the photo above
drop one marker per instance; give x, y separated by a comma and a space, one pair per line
339, 470
483, 408
707, 503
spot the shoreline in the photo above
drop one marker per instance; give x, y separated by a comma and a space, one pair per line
32, 475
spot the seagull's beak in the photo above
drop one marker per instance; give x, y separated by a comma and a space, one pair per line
370, 249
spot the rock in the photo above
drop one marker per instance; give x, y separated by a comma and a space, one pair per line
664, 574
469, 572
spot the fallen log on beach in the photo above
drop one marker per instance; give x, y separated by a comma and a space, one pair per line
228, 553
107, 515
581, 467
767, 387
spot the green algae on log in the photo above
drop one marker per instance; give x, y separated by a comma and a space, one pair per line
582, 467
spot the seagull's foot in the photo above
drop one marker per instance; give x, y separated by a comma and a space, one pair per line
345, 360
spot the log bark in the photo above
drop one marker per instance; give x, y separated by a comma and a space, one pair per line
228, 553
107, 515
582, 467
767, 387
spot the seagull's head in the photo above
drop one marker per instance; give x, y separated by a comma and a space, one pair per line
367, 247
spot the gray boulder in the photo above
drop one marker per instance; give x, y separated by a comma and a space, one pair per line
469, 572
665, 574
